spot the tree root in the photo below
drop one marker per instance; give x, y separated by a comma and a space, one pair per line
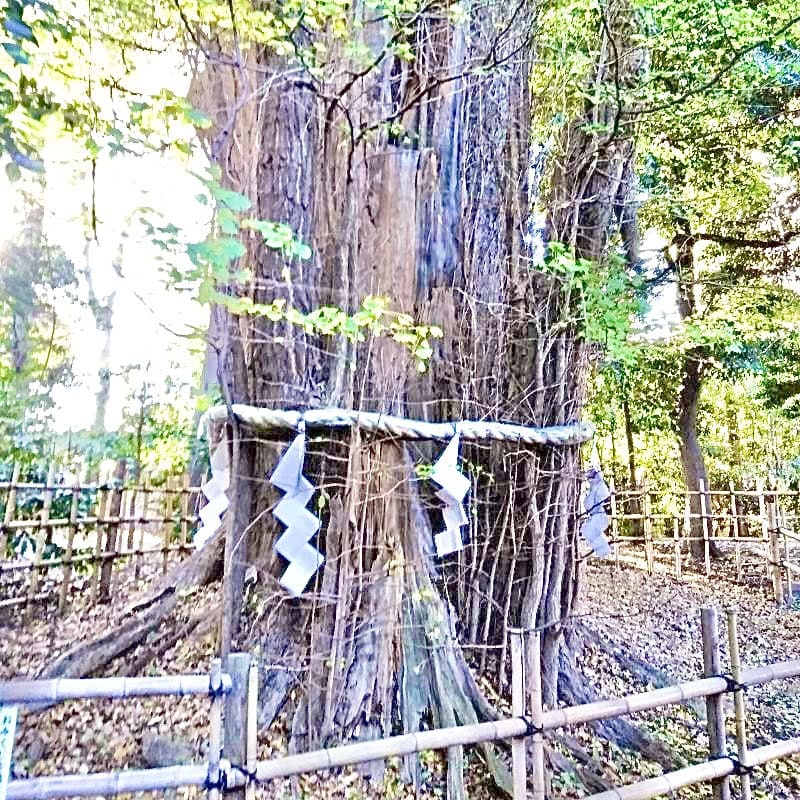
149, 615
574, 690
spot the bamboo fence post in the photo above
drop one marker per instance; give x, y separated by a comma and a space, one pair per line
780, 525
735, 531
614, 522
537, 714
774, 552
676, 535
687, 520
113, 511
130, 513
41, 537
647, 525
714, 710
251, 752
185, 500
103, 501
235, 727
738, 700
215, 730
519, 768
704, 518
762, 513
167, 528
67, 561
11, 506
143, 498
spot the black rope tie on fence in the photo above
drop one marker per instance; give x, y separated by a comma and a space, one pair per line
221, 783
531, 729
215, 691
732, 685
739, 768
249, 774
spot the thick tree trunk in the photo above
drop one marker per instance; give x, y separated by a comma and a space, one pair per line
437, 225
434, 218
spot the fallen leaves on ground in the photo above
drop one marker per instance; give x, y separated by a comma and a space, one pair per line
652, 618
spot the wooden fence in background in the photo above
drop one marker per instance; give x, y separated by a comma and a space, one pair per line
758, 528
57, 540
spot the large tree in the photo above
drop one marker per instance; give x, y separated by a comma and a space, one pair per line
393, 143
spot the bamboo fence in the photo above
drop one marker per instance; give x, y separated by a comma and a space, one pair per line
69, 540
232, 764
759, 528
58, 541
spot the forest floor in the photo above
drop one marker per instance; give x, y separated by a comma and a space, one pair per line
644, 632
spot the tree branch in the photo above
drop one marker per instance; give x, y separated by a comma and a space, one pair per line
744, 242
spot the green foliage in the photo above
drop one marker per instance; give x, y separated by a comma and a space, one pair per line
601, 299
23, 103
221, 275
33, 353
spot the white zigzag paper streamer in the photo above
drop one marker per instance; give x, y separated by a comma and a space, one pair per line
594, 526
454, 488
215, 492
301, 525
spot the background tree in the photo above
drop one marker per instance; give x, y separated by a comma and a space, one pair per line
33, 353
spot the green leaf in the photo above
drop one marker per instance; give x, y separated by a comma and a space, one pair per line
18, 29
227, 222
16, 52
198, 118
235, 201
13, 171
303, 251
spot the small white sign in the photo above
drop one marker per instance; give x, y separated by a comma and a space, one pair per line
8, 723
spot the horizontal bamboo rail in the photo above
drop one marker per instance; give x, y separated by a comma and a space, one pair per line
698, 773
92, 487
59, 689
113, 783
108, 783
443, 738
92, 558
34, 523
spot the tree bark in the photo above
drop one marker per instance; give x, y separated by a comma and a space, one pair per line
634, 504
694, 469
436, 223
692, 371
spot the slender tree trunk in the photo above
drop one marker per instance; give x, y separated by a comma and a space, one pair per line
635, 506
694, 468
626, 412
103, 314
734, 432
692, 372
